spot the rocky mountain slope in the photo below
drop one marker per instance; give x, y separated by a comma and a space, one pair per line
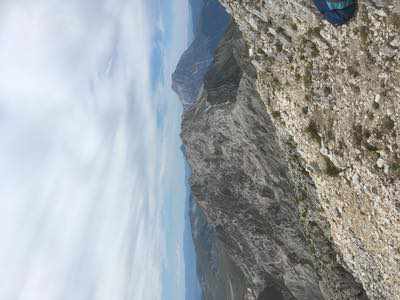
294, 149
210, 21
336, 91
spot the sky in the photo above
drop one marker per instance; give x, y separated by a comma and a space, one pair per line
92, 178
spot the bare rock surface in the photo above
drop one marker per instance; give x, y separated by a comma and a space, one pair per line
334, 97
263, 208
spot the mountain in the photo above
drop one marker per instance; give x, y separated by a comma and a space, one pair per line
242, 183
293, 142
210, 22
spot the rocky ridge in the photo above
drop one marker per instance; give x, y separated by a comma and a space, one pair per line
243, 182
333, 94
293, 144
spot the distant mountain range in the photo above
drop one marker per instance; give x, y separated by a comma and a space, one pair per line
210, 22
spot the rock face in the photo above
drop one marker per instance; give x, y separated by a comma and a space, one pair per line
336, 91
294, 149
219, 275
210, 21
240, 182
250, 197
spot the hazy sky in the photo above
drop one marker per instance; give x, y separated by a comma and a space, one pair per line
92, 184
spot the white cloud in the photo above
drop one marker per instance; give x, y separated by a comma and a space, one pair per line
86, 175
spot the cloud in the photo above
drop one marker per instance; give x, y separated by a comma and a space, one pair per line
88, 176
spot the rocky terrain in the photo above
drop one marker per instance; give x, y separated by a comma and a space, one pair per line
210, 21
294, 149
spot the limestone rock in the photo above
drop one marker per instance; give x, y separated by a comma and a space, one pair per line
334, 93
264, 212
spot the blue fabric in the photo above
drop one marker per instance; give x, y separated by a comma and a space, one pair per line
339, 4
336, 16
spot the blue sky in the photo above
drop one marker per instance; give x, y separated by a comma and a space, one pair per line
92, 184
